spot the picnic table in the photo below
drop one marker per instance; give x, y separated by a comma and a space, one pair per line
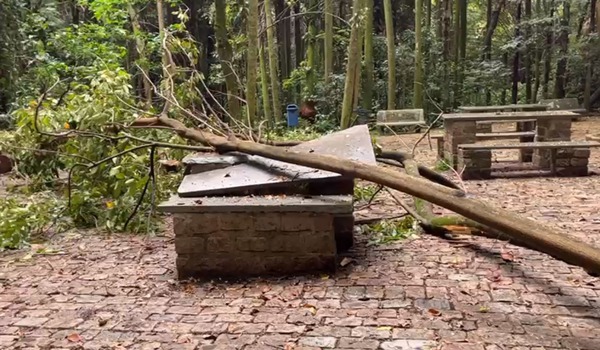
461, 128
532, 107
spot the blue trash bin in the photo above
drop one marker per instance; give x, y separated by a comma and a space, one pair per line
293, 115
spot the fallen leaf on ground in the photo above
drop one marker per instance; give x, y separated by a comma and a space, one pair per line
311, 308
484, 309
434, 312
324, 277
507, 256
102, 322
384, 328
74, 338
346, 261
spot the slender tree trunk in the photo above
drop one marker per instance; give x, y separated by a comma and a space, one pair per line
140, 47
516, 58
538, 53
252, 61
284, 36
503, 94
367, 102
548, 53
352, 65
311, 50
273, 60
563, 42
446, 20
225, 52
264, 83
391, 53
589, 74
418, 79
527, 52
328, 39
428, 16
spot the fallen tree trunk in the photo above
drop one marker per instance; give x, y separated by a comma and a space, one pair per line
536, 235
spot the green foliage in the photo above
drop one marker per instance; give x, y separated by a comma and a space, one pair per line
388, 231
364, 193
22, 219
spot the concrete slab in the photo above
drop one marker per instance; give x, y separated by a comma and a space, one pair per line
329, 204
260, 173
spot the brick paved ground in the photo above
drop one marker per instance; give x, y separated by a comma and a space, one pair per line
120, 292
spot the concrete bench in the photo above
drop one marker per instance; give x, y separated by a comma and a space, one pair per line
566, 158
400, 117
486, 136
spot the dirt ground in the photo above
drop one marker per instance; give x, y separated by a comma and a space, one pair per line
120, 292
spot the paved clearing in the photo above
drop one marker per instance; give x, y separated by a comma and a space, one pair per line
121, 293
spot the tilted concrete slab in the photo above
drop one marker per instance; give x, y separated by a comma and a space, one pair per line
259, 172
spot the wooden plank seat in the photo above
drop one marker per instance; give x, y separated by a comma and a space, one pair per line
564, 158
485, 136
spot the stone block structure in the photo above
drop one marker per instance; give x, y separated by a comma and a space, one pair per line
257, 236
475, 164
550, 130
457, 133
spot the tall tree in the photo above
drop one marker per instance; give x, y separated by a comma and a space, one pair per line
563, 42
492, 23
264, 83
225, 52
589, 74
548, 51
391, 53
352, 65
328, 38
418, 79
311, 49
527, 52
252, 61
273, 59
516, 57
369, 61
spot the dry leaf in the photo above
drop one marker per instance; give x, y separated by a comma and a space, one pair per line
346, 261
324, 277
484, 309
434, 312
74, 338
311, 308
102, 322
507, 256
384, 328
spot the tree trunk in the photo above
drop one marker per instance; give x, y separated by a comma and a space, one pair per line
284, 36
538, 53
516, 59
252, 62
391, 54
589, 74
140, 47
418, 79
367, 101
548, 53
225, 52
352, 66
273, 61
311, 50
563, 42
264, 83
535, 234
328, 39
527, 52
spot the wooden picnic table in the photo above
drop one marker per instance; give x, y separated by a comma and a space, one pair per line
504, 108
461, 128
